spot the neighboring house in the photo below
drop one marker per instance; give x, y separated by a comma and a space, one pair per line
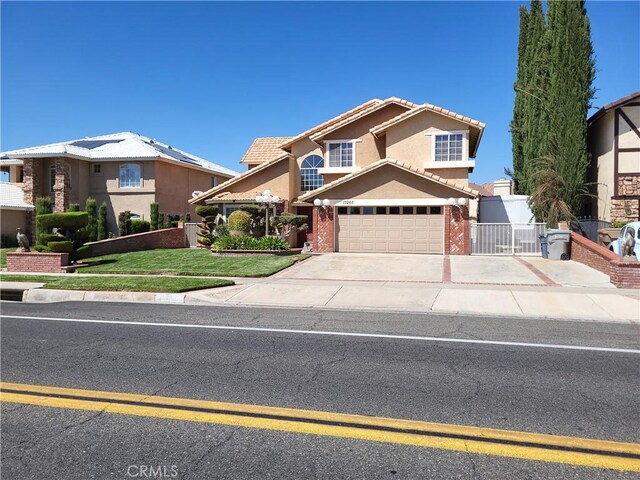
497, 204
386, 170
613, 139
126, 170
13, 209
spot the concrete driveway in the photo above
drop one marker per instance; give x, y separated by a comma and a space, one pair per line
487, 270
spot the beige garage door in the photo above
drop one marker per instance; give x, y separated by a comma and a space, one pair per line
390, 229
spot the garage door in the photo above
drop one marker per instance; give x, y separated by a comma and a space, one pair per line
390, 229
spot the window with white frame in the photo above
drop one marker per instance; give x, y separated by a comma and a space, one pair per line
130, 175
310, 179
340, 154
448, 147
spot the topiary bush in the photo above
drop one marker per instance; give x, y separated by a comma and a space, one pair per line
91, 207
239, 221
41, 249
140, 226
208, 231
124, 223
64, 221
45, 238
73, 207
43, 207
155, 216
65, 246
83, 252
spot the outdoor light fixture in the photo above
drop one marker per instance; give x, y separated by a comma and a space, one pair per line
321, 203
457, 202
268, 201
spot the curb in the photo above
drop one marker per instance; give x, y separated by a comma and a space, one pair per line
38, 295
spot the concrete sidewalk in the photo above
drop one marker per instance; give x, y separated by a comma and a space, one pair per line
589, 304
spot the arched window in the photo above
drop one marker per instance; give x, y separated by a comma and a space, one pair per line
130, 175
310, 179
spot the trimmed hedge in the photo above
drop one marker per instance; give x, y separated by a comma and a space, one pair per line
66, 221
245, 242
82, 252
61, 247
45, 238
239, 220
140, 226
207, 210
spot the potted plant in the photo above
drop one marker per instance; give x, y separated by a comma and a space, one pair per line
239, 223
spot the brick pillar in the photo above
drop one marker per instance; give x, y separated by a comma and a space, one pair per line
323, 229
62, 185
31, 188
456, 230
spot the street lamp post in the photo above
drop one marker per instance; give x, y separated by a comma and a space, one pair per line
268, 200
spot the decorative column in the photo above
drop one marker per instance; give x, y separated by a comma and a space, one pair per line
456, 230
62, 185
323, 228
31, 189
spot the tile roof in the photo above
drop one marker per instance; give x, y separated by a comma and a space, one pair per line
12, 197
388, 161
237, 196
387, 101
486, 189
124, 145
323, 125
264, 149
220, 188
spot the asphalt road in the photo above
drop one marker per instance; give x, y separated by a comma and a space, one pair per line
578, 393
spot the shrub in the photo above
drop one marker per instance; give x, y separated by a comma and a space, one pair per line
239, 220
65, 246
43, 207
140, 226
155, 215
82, 252
288, 223
91, 207
41, 248
161, 223
102, 222
63, 221
8, 241
618, 224
73, 207
45, 238
245, 242
124, 223
207, 210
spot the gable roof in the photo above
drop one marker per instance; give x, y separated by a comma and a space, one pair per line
387, 161
264, 149
119, 146
362, 113
474, 139
220, 188
12, 197
621, 102
329, 122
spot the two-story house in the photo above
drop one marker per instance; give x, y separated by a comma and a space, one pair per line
613, 140
125, 170
387, 176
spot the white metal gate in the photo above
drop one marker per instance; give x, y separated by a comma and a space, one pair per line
190, 230
506, 238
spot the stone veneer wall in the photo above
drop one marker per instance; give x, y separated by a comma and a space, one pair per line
35, 262
62, 185
30, 187
621, 274
627, 209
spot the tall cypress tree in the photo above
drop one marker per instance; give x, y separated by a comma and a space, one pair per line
571, 73
535, 118
517, 128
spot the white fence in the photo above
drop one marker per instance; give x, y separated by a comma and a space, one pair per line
190, 230
506, 238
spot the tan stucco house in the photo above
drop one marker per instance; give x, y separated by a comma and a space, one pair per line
613, 139
126, 170
385, 174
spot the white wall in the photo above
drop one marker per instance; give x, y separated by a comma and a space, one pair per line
505, 209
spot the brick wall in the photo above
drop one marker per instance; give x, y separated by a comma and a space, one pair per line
37, 262
456, 230
323, 226
166, 238
621, 274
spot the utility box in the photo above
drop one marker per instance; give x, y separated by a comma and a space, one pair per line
559, 244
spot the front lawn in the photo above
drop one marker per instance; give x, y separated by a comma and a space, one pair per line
120, 284
190, 261
3, 255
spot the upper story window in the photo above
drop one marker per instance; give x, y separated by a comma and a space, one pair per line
310, 179
449, 147
214, 181
52, 177
96, 168
130, 174
340, 154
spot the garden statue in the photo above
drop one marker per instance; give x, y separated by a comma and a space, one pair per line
23, 241
628, 244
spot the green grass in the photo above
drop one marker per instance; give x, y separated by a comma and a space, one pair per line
190, 261
120, 284
3, 255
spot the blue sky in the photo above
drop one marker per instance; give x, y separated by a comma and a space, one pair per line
209, 77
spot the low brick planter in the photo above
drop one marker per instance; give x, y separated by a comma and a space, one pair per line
35, 262
621, 274
240, 253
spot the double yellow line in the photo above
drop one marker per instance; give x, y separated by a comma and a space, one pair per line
488, 441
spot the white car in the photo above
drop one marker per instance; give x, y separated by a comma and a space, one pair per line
634, 229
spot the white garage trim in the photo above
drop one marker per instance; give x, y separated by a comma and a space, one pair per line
387, 202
